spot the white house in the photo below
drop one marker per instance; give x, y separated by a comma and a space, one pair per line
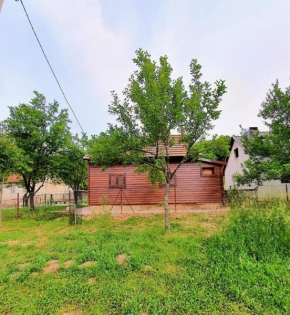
10, 189
237, 157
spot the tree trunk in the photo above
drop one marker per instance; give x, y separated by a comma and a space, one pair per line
25, 200
166, 209
76, 197
31, 201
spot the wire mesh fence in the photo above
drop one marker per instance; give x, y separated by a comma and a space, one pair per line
47, 207
47, 200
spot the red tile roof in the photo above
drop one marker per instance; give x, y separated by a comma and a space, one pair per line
177, 150
14, 178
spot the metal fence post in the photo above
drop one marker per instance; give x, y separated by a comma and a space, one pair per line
75, 213
18, 213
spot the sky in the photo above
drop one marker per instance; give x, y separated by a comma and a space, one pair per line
91, 44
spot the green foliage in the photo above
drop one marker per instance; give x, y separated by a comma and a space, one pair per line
154, 104
269, 152
243, 269
217, 148
39, 131
69, 164
154, 174
249, 261
11, 156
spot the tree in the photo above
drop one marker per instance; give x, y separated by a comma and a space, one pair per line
154, 104
10, 158
71, 167
217, 148
40, 131
269, 152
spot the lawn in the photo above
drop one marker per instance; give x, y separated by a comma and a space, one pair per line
234, 262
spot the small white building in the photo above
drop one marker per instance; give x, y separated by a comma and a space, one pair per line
237, 157
8, 197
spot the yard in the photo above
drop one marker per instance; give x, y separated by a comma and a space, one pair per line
222, 262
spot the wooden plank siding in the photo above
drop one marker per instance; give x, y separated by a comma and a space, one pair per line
191, 186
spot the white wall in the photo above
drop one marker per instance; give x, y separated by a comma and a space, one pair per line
234, 166
275, 189
10, 194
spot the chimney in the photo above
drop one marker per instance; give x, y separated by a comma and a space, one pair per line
250, 130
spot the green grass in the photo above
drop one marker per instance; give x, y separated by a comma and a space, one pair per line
234, 262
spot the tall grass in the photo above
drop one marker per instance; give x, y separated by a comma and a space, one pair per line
250, 260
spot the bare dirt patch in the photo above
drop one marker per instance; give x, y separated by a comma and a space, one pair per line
87, 264
91, 280
208, 225
122, 259
22, 266
68, 263
70, 312
52, 266
14, 242
42, 240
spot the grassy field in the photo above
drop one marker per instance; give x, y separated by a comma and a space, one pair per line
235, 262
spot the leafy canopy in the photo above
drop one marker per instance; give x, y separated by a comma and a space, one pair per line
269, 152
39, 130
217, 148
70, 166
11, 156
153, 106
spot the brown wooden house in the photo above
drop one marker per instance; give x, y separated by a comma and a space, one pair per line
197, 182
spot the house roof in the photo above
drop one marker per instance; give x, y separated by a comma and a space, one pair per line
177, 150
212, 161
238, 139
13, 179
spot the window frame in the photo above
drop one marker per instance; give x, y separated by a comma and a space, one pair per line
12, 189
117, 186
214, 174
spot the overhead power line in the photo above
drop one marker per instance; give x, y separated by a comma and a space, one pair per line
50, 65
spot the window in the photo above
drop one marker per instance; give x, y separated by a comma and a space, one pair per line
236, 152
12, 189
117, 181
207, 171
